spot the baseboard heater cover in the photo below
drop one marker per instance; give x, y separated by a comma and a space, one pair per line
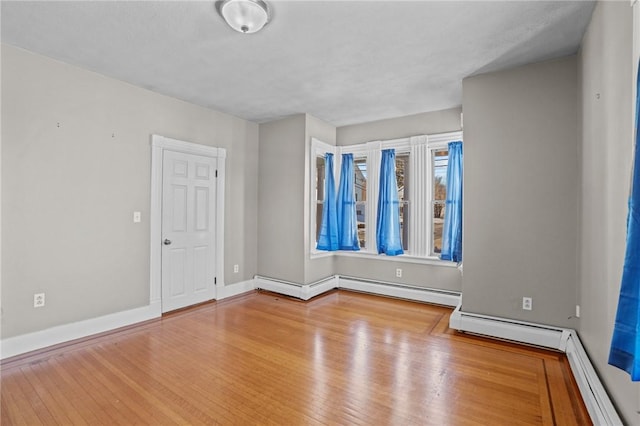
517, 331
420, 294
307, 291
597, 401
300, 291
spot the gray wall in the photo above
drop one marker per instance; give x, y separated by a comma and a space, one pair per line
284, 199
606, 69
69, 192
281, 210
520, 192
415, 274
424, 275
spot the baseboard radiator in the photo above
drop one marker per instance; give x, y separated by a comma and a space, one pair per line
598, 403
401, 291
300, 291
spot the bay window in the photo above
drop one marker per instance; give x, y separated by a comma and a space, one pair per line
421, 164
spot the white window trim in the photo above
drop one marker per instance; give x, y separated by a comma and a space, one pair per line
421, 148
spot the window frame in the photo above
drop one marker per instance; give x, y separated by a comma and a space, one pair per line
405, 227
420, 214
318, 149
433, 147
364, 203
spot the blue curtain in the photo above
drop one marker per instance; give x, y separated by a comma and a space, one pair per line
347, 225
452, 231
328, 239
388, 225
625, 344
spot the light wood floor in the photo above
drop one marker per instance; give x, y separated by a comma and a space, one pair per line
341, 358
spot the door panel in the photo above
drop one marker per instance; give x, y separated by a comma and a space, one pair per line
188, 230
202, 209
179, 207
177, 269
200, 262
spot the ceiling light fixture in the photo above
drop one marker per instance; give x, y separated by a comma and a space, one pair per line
245, 16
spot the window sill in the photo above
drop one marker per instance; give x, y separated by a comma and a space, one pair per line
406, 258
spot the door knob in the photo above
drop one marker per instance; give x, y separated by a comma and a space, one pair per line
166, 241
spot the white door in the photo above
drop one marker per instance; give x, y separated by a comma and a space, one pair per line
188, 229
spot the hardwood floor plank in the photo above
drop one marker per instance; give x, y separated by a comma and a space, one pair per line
114, 397
566, 408
340, 358
26, 402
68, 397
87, 405
13, 410
58, 407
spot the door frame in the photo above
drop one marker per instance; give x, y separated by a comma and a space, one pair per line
158, 145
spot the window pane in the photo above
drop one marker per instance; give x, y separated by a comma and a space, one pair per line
404, 225
440, 161
320, 178
402, 178
362, 224
360, 189
360, 170
318, 219
438, 223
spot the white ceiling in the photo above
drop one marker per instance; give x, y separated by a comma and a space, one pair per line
344, 62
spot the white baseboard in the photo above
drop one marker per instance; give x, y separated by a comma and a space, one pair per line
518, 331
281, 287
300, 291
24, 343
235, 289
420, 294
307, 291
315, 289
595, 397
598, 403
17, 345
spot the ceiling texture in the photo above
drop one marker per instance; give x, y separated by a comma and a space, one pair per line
344, 62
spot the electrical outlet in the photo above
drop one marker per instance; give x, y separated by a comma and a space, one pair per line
577, 311
136, 217
527, 303
236, 268
398, 273
38, 300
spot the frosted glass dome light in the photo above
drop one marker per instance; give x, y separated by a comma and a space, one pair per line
245, 16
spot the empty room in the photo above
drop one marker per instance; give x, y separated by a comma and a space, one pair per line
319, 212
